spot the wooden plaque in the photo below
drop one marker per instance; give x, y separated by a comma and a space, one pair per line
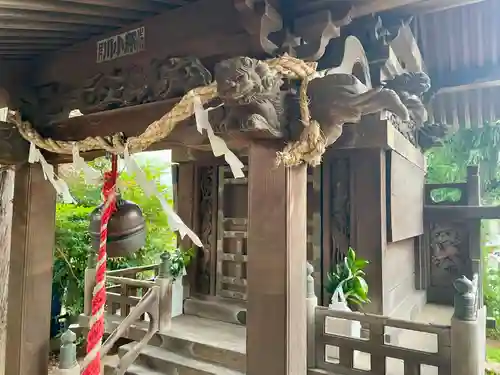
405, 199
127, 43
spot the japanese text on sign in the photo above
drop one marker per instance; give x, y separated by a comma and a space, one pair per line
120, 45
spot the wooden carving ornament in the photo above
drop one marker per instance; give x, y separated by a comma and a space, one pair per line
251, 93
162, 79
410, 87
260, 20
318, 28
431, 135
252, 97
465, 301
337, 99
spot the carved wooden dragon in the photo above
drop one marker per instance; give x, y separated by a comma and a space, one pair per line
251, 94
410, 87
337, 99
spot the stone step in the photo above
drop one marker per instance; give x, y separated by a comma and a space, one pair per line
228, 358
141, 370
218, 356
220, 343
165, 362
223, 310
317, 371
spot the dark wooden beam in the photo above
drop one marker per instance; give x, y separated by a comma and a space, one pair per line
14, 78
412, 7
137, 5
30, 280
10, 14
430, 6
55, 42
174, 2
132, 121
276, 268
35, 35
442, 213
464, 78
372, 133
50, 26
25, 48
21, 52
67, 7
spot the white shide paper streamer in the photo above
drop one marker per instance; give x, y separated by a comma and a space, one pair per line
4, 112
62, 189
149, 187
92, 176
75, 113
217, 144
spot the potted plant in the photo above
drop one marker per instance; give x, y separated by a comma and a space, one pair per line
348, 290
348, 277
176, 262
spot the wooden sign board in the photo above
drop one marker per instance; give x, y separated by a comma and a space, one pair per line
127, 43
406, 199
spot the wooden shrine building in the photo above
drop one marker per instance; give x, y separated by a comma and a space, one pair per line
106, 71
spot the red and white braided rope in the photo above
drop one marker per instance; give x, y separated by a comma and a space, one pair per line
92, 362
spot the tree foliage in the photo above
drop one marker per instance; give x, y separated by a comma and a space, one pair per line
73, 239
448, 163
475, 146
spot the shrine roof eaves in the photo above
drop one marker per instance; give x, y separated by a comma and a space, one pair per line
31, 27
461, 49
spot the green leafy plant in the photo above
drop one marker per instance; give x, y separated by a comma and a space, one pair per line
349, 275
178, 261
475, 146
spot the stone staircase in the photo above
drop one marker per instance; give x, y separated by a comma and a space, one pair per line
194, 346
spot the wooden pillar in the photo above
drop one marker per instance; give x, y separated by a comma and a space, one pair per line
186, 197
370, 219
6, 193
30, 281
276, 268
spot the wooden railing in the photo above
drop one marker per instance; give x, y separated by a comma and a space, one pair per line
375, 346
126, 288
134, 295
458, 349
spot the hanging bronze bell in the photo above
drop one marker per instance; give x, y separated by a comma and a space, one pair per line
126, 229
